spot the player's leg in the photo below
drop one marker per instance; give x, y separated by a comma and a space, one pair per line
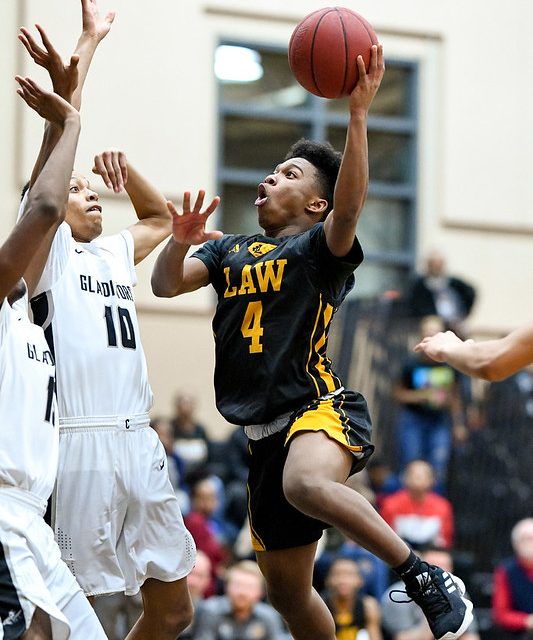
318, 490
40, 627
289, 578
167, 611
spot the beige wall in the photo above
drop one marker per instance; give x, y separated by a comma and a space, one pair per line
151, 92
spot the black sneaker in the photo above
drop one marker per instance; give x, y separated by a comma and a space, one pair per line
441, 596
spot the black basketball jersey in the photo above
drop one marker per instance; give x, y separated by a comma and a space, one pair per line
276, 300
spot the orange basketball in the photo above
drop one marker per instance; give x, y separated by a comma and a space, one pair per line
323, 50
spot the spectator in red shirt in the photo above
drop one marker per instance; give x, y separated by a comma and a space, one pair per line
512, 595
417, 514
204, 503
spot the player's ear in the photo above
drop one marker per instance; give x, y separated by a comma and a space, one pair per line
317, 206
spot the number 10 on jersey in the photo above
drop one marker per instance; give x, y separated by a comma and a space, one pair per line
127, 334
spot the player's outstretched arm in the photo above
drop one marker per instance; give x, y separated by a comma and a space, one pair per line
491, 360
155, 220
352, 182
173, 273
25, 251
67, 79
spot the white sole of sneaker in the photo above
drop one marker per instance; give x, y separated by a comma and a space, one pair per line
469, 616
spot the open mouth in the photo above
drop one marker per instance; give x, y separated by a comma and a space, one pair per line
95, 207
262, 196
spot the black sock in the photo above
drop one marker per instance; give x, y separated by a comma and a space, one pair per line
408, 569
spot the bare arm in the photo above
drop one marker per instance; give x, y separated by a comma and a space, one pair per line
155, 219
352, 182
67, 80
26, 249
173, 273
491, 360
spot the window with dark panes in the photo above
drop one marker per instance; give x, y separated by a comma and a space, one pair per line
263, 111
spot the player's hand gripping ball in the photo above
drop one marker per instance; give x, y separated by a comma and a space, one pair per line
323, 50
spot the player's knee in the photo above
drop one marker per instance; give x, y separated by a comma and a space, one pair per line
174, 622
303, 491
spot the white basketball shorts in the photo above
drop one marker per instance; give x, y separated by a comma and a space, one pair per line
116, 518
32, 574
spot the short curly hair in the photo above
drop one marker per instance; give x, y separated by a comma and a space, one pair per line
326, 161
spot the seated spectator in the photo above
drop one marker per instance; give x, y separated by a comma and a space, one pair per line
175, 466
191, 441
417, 514
239, 614
236, 509
351, 610
512, 595
381, 479
436, 293
205, 531
404, 620
430, 409
198, 581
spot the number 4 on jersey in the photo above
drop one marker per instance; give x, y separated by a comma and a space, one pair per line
251, 326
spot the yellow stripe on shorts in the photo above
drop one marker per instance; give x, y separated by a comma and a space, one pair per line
257, 543
324, 418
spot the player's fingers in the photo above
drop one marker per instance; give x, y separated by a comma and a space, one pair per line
214, 204
381, 59
123, 164
117, 171
108, 163
373, 58
27, 45
35, 48
74, 60
102, 171
199, 201
171, 207
187, 202
46, 41
361, 67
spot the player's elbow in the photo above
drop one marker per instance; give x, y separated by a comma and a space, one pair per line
492, 372
48, 208
162, 290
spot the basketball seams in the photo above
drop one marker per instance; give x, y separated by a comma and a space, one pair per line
339, 15
313, 50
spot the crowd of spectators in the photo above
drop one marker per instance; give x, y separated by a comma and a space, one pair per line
436, 422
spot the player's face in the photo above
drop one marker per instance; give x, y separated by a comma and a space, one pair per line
84, 214
289, 196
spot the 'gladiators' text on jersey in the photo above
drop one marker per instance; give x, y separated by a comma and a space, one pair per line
276, 300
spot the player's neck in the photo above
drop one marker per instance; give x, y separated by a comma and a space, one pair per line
286, 230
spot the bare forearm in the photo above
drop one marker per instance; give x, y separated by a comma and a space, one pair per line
493, 359
85, 48
52, 183
147, 200
167, 276
352, 183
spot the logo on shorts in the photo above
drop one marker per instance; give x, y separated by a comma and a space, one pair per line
162, 464
12, 618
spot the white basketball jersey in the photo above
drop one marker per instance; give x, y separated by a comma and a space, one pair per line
29, 438
85, 304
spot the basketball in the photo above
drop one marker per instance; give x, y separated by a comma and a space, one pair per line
323, 50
